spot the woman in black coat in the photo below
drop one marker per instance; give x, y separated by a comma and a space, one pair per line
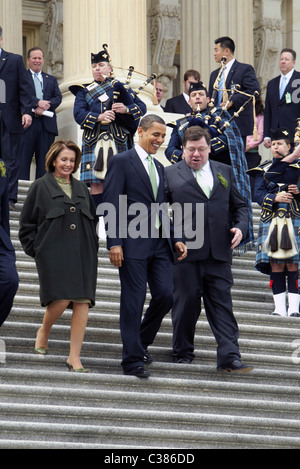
58, 229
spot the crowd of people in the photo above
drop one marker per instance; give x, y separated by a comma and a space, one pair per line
214, 175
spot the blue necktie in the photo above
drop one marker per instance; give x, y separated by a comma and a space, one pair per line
282, 86
38, 86
221, 87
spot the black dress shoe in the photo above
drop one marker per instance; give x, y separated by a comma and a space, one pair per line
139, 372
295, 315
182, 360
147, 357
236, 366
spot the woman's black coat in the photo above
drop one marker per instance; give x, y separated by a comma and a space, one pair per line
60, 234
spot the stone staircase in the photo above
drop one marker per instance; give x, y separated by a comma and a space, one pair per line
188, 407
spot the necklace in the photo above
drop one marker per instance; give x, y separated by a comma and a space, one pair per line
62, 180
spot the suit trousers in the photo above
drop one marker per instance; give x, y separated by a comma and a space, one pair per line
37, 142
211, 280
11, 149
9, 281
157, 270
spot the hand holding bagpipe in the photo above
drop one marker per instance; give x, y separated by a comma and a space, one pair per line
237, 113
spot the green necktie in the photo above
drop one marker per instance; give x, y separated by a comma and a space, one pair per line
152, 175
202, 182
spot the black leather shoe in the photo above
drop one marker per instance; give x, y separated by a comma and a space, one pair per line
236, 366
147, 357
296, 315
139, 372
182, 360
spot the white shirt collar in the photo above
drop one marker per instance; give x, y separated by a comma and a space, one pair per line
39, 74
288, 75
228, 66
141, 152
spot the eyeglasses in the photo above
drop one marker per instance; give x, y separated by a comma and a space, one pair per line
193, 150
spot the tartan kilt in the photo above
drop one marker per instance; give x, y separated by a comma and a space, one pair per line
88, 160
262, 261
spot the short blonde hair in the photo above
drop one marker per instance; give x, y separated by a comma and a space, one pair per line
55, 150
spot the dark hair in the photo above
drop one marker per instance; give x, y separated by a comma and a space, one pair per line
55, 150
32, 50
290, 51
226, 43
147, 121
191, 73
194, 133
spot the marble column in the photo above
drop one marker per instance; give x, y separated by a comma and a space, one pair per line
11, 22
88, 24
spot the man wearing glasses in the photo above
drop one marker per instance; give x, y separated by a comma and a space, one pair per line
206, 271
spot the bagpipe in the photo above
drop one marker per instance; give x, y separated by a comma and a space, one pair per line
281, 241
217, 119
123, 128
228, 95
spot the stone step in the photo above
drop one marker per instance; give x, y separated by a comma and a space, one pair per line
43, 406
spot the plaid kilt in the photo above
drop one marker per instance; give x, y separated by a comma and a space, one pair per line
262, 261
88, 159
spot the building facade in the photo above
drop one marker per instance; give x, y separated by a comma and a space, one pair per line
166, 37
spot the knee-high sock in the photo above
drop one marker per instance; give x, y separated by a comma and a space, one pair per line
278, 284
293, 293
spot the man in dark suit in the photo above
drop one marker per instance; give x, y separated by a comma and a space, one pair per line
206, 271
141, 247
282, 104
236, 73
15, 114
180, 104
45, 98
9, 279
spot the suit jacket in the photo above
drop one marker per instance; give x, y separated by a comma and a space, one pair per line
126, 176
51, 93
223, 210
279, 112
17, 91
4, 209
178, 105
243, 75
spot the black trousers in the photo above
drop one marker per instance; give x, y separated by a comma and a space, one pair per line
11, 149
9, 281
36, 143
212, 281
157, 271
